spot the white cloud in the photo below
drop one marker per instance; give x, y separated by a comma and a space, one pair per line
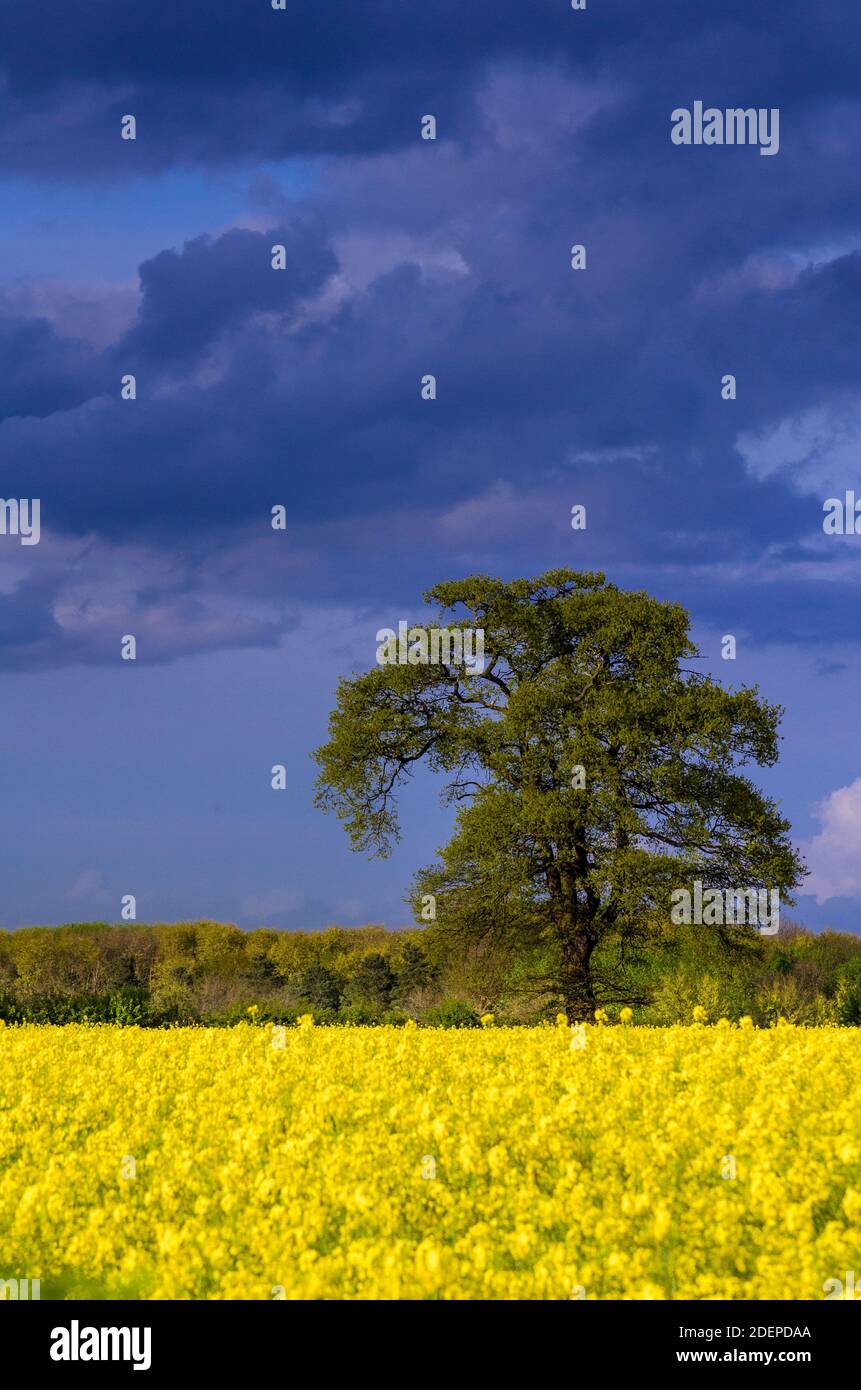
818, 450
89, 887
496, 515
365, 256
97, 311
633, 453
273, 903
773, 269
523, 103
834, 855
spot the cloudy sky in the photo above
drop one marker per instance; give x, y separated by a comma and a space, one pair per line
301, 387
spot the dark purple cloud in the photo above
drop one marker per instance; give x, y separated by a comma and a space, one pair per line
214, 81
301, 387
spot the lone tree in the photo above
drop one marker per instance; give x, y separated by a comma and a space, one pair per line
594, 772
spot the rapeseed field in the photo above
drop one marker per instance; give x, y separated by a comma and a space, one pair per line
595, 1162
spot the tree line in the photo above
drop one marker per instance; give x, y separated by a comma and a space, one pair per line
214, 973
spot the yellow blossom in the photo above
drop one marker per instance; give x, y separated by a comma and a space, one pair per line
423, 1163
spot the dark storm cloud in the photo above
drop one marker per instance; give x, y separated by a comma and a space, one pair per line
221, 80
41, 370
301, 387
245, 397
190, 298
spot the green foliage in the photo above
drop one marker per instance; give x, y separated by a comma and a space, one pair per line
211, 972
578, 675
415, 972
129, 1006
374, 981
319, 988
453, 1014
359, 1014
374, 976
848, 993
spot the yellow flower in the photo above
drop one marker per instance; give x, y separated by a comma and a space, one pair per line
561, 1020
305, 1021
660, 1222
852, 1204
601, 1016
700, 1014
445, 1163
253, 1010
488, 1020
626, 1014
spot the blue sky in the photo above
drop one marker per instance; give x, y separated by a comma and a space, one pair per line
102, 229
405, 256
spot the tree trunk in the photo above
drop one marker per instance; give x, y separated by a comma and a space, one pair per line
578, 990
577, 941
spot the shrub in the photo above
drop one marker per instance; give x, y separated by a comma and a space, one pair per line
128, 1006
374, 981
848, 996
358, 1014
319, 987
452, 1014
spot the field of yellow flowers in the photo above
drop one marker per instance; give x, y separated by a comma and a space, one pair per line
599, 1162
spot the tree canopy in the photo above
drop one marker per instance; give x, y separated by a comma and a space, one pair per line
594, 769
